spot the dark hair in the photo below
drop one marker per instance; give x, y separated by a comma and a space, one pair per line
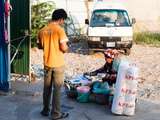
59, 14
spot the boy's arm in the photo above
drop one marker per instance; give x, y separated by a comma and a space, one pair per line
63, 40
100, 70
64, 47
93, 73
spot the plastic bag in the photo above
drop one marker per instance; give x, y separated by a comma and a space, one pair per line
116, 63
126, 89
101, 88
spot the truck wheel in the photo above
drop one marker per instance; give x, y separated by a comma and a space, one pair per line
90, 52
127, 51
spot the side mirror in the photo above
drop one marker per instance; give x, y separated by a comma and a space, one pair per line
133, 20
87, 21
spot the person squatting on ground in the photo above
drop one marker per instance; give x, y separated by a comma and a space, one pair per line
53, 40
105, 87
110, 72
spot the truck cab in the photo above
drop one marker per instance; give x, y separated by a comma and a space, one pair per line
109, 26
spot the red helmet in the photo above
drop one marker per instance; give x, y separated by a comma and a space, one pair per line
110, 53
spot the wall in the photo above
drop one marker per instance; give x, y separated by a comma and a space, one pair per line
146, 12
20, 28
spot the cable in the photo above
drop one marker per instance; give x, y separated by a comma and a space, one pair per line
19, 38
24, 37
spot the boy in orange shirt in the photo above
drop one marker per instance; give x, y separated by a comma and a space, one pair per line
53, 41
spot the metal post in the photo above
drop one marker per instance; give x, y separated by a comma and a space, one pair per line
29, 41
9, 51
67, 6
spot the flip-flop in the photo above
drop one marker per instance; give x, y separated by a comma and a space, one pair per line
44, 113
63, 115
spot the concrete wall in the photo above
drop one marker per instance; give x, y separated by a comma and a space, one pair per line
147, 14
144, 9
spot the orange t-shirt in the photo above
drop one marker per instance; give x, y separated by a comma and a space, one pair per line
50, 37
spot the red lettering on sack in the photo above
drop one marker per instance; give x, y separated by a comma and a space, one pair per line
128, 91
125, 104
129, 77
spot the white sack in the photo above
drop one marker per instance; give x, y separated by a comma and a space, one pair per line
126, 89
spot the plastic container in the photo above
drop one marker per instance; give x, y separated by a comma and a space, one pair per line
83, 94
83, 89
70, 91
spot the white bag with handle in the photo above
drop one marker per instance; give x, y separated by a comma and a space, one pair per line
126, 89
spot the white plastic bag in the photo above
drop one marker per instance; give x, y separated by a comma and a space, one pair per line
126, 89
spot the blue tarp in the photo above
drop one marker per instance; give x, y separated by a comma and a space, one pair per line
1, 22
4, 85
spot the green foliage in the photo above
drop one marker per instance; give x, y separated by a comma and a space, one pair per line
148, 38
41, 14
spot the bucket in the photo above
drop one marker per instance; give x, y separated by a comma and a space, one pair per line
83, 89
83, 94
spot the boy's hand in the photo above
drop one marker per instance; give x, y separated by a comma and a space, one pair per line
112, 77
90, 73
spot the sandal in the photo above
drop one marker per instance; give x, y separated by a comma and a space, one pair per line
63, 115
44, 113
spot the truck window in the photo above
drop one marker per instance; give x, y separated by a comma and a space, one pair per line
109, 17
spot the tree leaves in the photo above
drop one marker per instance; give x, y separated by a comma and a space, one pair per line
41, 14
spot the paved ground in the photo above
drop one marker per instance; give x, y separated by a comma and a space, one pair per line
24, 102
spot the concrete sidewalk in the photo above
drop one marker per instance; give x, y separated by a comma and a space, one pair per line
24, 102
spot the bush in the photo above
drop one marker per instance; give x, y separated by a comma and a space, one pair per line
41, 13
148, 38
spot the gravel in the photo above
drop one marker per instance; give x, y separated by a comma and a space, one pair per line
146, 58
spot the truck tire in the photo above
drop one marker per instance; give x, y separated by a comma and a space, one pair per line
91, 52
127, 51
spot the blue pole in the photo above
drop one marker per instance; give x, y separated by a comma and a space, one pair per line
4, 85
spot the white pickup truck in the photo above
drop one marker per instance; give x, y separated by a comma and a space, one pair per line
109, 26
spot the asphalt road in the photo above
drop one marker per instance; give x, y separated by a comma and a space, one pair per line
24, 102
